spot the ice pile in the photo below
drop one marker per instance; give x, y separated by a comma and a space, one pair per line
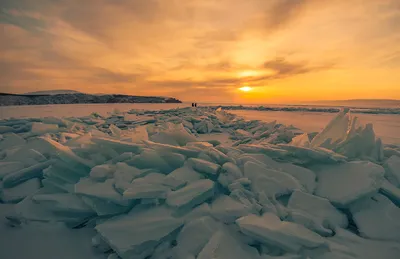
152, 188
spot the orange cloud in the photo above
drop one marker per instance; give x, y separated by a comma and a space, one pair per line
290, 50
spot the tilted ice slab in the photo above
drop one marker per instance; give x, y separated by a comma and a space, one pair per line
47, 206
25, 155
172, 134
347, 245
305, 176
345, 135
19, 192
73, 161
149, 158
186, 151
274, 183
269, 229
9, 167
100, 190
11, 140
191, 195
301, 140
135, 235
391, 192
335, 131
224, 245
196, 234
230, 173
316, 213
345, 183
39, 128
304, 155
25, 174
204, 166
392, 170
182, 176
149, 187
227, 210
369, 211
120, 146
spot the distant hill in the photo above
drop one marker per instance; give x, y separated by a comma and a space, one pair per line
53, 92
44, 97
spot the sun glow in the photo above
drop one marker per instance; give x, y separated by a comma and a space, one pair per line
245, 88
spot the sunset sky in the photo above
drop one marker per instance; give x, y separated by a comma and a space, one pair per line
280, 51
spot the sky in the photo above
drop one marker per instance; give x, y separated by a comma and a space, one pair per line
283, 51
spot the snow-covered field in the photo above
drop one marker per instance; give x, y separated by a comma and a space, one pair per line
197, 183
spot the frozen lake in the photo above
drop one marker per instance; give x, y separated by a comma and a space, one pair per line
45, 241
387, 126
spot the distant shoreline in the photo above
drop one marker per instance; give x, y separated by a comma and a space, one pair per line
7, 99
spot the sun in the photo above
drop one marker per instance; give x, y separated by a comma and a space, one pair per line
245, 88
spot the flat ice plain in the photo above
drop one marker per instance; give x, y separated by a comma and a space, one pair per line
197, 183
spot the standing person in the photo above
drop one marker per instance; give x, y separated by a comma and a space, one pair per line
195, 104
192, 104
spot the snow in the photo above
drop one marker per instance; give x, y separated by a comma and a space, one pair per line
199, 183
